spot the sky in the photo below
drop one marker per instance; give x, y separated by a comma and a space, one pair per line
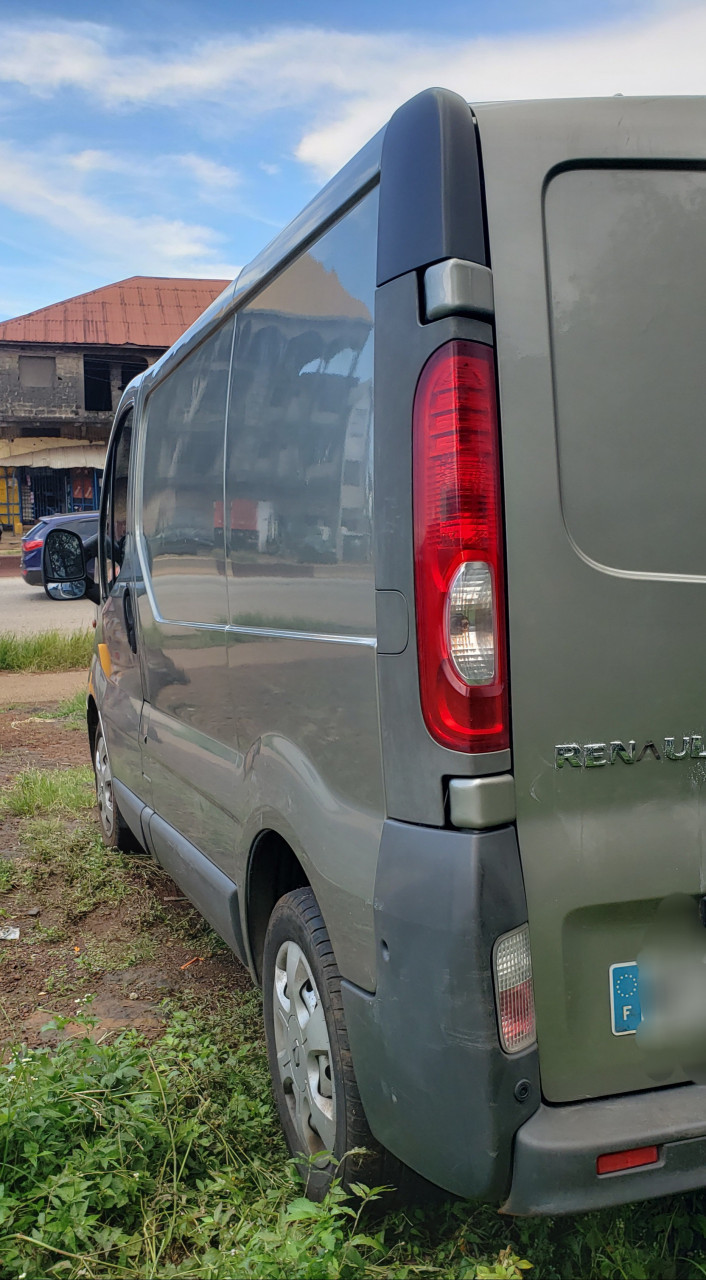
177, 138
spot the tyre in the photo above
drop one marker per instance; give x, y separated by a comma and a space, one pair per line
307, 1046
116, 833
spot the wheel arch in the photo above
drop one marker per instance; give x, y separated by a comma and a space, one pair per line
93, 720
273, 870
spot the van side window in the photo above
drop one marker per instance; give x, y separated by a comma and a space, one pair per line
114, 520
300, 439
182, 496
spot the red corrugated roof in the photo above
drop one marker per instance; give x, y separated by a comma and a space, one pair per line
143, 311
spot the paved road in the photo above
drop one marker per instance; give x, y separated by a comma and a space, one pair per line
26, 609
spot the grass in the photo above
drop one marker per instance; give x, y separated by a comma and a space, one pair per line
128, 1159
72, 711
133, 1160
47, 651
35, 791
7, 874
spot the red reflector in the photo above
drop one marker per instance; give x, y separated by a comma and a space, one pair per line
457, 521
32, 545
617, 1160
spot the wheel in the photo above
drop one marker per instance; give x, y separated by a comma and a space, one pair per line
116, 832
307, 1046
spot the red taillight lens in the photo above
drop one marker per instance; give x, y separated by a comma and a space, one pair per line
32, 544
458, 550
634, 1158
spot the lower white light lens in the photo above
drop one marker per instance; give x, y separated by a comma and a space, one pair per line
514, 991
470, 622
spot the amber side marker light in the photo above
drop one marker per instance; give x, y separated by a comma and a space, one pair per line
634, 1158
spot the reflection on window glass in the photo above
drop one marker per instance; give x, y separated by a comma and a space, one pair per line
300, 437
118, 510
114, 528
182, 501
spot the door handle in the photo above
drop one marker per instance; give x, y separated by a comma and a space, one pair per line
129, 616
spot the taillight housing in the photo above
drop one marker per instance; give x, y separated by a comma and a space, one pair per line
32, 544
458, 550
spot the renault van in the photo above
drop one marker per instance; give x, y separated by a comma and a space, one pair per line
398, 665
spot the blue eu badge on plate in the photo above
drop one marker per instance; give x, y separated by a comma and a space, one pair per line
625, 1011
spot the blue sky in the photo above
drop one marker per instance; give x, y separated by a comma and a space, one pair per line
176, 138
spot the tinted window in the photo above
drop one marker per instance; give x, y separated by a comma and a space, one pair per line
85, 528
182, 502
299, 478
115, 513
35, 530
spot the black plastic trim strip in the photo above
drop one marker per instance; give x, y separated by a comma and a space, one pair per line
431, 194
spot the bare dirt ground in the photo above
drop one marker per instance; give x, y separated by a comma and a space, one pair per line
128, 955
36, 688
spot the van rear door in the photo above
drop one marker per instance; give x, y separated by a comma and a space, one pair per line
597, 230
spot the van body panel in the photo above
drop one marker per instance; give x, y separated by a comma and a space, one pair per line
308, 720
597, 656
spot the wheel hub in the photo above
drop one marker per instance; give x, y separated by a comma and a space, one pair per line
303, 1051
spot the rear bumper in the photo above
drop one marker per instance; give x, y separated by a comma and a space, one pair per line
438, 1090
555, 1152
33, 577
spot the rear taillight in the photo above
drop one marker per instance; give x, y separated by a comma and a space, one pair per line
514, 991
458, 550
32, 544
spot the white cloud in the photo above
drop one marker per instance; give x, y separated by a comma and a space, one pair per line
664, 53
347, 84
44, 187
211, 177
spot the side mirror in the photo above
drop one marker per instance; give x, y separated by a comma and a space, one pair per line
64, 567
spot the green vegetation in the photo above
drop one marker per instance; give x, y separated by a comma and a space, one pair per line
47, 651
163, 1160
133, 1160
35, 791
7, 874
71, 712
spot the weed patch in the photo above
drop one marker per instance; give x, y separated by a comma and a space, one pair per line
7, 875
36, 791
48, 651
128, 1157
72, 711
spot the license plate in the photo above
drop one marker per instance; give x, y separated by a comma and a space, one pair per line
625, 1011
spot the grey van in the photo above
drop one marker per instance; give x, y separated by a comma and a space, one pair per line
412, 712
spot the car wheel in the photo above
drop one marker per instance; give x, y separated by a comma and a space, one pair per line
307, 1046
116, 832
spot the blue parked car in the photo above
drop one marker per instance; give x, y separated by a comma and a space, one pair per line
84, 523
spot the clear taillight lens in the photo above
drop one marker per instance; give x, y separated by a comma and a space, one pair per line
458, 550
470, 623
514, 992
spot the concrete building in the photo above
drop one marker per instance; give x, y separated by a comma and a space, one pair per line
62, 372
